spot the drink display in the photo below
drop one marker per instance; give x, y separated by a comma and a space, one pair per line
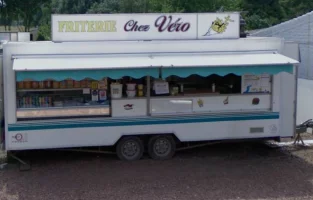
64, 84
40, 99
58, 94
34, 101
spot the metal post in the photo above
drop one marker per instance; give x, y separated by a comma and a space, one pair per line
271, 92
296, 99
3, 152
3, 156
148, 96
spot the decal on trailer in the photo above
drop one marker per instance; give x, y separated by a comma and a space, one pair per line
255, 101
19, 138
226, 101
273, 129
128, 106
200, 103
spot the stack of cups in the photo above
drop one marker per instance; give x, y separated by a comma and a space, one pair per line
140, 90
131, 89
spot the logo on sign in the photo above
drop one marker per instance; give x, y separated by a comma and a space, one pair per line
87, 26
164, 23
218, 26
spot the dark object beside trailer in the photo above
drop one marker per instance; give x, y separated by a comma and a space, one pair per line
302, 128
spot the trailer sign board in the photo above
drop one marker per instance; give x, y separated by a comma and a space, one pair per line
145, 27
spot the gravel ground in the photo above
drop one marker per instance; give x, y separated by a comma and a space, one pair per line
224, 171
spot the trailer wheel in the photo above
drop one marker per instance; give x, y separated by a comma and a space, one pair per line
130, 148
161, 147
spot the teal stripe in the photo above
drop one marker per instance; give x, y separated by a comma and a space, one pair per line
141, 122
123, 119
82, 74
154, 72
222, 71
110, 120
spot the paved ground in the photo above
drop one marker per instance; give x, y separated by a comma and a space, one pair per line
224, 171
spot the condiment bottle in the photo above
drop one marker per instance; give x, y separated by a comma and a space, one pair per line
28, 84
35, 84
182, 88
56, 84
41, 84
21, 85
48, 84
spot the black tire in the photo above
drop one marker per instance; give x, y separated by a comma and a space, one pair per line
133, 145
168, 147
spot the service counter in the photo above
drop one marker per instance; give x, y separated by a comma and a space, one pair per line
136, 106
54, 112
190, 103
209, 103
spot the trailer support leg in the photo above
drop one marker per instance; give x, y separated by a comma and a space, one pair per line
23, 165
298, 139
3, 159
3, 156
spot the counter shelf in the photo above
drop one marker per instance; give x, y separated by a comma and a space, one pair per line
206, 95
71, 111
47, 90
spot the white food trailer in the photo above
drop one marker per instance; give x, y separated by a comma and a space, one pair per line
145, 82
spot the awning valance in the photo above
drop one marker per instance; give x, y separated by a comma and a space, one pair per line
80, 68
137, 66
239, 64
222, 71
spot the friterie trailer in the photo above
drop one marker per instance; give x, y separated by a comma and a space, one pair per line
178, 78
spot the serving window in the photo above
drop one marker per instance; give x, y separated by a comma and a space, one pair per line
71, 98
66, 98
160, 84
127, 96
215, 84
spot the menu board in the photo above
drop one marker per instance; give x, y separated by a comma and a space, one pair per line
94, 95
103, 84
102, 95
256, 83
161, 87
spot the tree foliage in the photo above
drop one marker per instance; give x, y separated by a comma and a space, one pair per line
7, 14
104, 7
257, 13
20, 11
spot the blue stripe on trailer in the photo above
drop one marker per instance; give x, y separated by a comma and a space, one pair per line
111, 122
146, 118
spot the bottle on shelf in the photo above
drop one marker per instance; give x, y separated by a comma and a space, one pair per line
213, 87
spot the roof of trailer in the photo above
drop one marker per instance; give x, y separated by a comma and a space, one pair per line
139, 41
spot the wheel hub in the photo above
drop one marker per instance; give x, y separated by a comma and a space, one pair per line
130, 149
162, 146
